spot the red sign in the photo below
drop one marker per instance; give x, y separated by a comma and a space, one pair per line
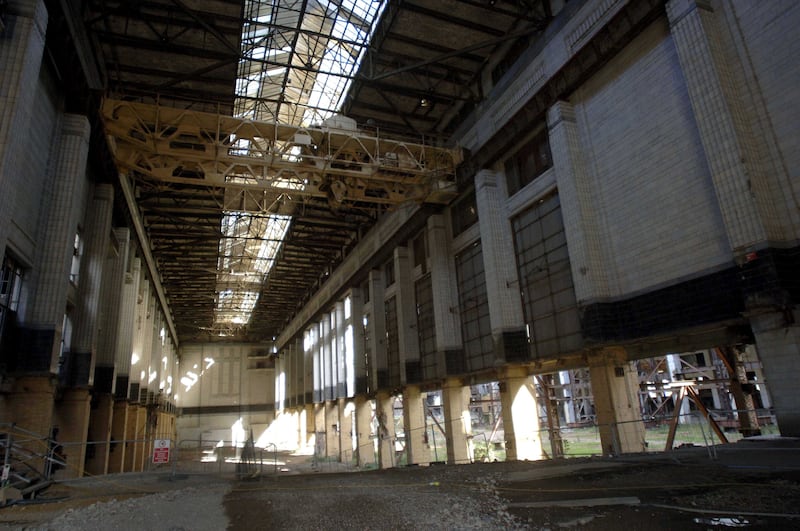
161, 451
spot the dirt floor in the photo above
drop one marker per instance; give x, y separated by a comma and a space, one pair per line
753, 484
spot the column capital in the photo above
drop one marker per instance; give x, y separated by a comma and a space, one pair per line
450, 383
76, 125
677, 9
34, 9
514, 372
605, 355
560, 111
485, 177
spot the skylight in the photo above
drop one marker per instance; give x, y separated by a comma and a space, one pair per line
297, 65
298, 60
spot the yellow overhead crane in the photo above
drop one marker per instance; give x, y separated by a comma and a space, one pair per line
334, 160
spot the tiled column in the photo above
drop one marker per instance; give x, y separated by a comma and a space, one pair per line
365, 444
126, 329
502, 285
384, 411
615, 388
49, 299
457, 420
84, 338
778, 343
582, 224
445, 296
742, 188
520, 416
111, 299
21, 48
417, 450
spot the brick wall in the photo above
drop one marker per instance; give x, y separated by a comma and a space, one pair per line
759, 32
656, 204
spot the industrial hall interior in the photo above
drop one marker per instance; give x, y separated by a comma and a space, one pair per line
395, 232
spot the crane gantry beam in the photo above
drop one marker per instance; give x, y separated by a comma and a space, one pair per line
334, 160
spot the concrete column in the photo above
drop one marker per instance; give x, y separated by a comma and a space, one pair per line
21, 56
320, 439
615, 387
502, 285
119, 419
71, 416
457, 421
365, 444
417, 449
778, 343
300, 419
130, 437
29, 405
520, 416
309, 422
99, 437
332, 428
81, 359
445, 295
721, 102
384, 412
576, 191
347, 421
60, 223
140, 434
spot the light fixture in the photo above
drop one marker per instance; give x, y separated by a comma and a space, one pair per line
424, 102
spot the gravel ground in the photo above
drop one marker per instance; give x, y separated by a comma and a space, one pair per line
753, 486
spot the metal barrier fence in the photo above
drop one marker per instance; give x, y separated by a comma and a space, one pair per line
658, 434
244, 460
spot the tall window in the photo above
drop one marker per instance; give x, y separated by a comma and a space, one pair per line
551, 310
10, 289
77, 251
464, 213
392, 342
476, 329
426, 325
529, 162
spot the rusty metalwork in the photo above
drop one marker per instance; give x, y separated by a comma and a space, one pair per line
335, 159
